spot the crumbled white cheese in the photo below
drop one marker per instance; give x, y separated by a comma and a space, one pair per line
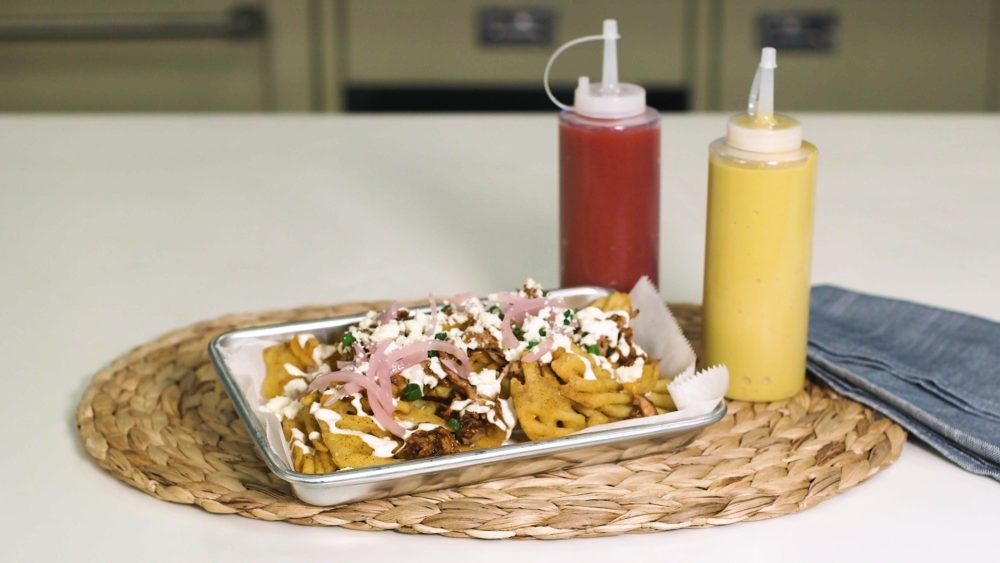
534, 326
486, 382
387, 331
628, 374
282, 407
416, 374
371, 318
437, 368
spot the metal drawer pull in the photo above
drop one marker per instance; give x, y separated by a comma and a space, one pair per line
240, 22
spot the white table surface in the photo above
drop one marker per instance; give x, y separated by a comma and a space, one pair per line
116, 229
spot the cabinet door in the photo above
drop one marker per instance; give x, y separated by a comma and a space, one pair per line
73, 55
392, 44
891, 55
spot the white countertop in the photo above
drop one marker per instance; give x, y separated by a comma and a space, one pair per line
116, 229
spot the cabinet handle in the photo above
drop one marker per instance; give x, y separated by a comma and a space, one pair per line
240, 22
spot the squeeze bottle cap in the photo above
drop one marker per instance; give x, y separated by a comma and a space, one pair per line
608, 99
760, 129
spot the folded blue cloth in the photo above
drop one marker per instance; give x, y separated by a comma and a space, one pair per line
935, 372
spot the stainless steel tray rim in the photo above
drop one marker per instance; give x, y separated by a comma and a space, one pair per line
417, 467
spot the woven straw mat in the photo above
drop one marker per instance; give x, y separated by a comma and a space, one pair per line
159, 420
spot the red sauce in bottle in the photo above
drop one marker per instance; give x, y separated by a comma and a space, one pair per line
609, 199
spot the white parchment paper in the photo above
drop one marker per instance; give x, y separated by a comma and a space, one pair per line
657, 331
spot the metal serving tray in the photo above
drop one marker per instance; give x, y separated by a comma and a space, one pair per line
513, 460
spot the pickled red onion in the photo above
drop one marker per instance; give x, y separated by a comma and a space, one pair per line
416, 352
359, 353
389, 314
538, 351
376, 384
356, 381
517, 312
461, 298
341, 376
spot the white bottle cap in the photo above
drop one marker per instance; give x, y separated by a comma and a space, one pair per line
609, 99
760, 129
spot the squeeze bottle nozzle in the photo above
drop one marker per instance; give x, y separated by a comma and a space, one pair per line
761, 102
609, 73
760, 129
608, 99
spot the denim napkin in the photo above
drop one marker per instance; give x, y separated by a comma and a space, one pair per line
935, 372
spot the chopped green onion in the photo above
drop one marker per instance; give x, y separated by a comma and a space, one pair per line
518, 332
432, 354
454, 424
594, 349
494, 309
411, 392
545, 293
568, 315
532, 344
542, 332
348, 339
441, 336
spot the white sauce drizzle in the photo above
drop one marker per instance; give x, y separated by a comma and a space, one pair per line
381, 447
295, 388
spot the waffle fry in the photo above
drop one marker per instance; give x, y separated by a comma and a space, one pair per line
541, 409
660, 397
276, 358
617, 301
646, 383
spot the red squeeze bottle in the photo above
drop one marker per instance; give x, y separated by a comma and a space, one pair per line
609, 178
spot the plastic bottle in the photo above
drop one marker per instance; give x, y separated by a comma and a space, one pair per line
609, 177
761, 191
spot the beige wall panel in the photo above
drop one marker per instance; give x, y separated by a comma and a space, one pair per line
994, 72
330, 27
61, 8
402, 41
893, 55
127, 75
289, 57
115, 76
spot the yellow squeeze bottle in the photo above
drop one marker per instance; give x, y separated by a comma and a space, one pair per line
758, 253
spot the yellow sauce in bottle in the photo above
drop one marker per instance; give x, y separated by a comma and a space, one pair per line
757, 268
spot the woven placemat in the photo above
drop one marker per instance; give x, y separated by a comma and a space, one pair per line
159, 420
